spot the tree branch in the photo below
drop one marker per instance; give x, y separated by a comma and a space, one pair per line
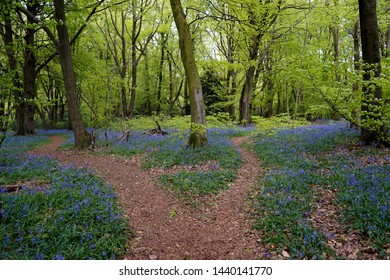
72, 41
37, 21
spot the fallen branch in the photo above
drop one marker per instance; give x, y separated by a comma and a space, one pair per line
157, 130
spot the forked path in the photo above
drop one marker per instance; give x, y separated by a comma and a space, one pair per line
164, 227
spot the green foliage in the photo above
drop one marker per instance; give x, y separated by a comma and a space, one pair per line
270, 125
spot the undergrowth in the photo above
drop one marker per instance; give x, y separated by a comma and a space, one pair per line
296, 159
58, 212
171, 150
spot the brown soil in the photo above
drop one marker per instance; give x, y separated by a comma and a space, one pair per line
165, 227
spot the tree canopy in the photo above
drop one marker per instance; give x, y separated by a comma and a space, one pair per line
254, 58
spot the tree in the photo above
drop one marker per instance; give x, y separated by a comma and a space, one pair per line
138, 8
261, 17
12, 69
119, 57
82, 137
198, 133
25, 100
373, 129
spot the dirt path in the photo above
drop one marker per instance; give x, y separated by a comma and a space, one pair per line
164, 227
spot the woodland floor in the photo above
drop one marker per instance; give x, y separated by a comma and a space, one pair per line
166, 228
218, 227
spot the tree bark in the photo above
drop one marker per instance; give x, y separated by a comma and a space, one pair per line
336, 50
269, 99
123, 70
29, 84
373, 129
12, 62
231, 77
268, 88
82, 137
136, 27
198, 133
164, 38
25, 102
247, 89
356, 54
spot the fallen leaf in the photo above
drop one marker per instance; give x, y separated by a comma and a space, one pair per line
285, 254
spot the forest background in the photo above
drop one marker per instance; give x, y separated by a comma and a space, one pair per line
119, 66
255, 58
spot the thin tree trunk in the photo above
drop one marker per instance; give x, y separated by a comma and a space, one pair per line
297, 94
269, 88
279, 104
356, 54
269, 99
82, 137
134, 62
336, 50
231, 78
123, 71
160, 71
133, 90
198, 133
287, 101
148, 102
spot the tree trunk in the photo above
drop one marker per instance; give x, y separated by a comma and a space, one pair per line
82, 137
297, 93
198, 133
29, 85
356, 54
3, 97
387, 51
247, 89
231, 78
26, 102
279, 103
123, 71
148, 102
373, 129
336, 50
134, 62
269, 99
269, 88
12, 62
287, 101
164, 38
133, 90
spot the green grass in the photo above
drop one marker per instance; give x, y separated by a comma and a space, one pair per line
199, 183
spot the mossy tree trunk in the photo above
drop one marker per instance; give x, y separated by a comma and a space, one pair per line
373, 129
198, 133
82, 137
